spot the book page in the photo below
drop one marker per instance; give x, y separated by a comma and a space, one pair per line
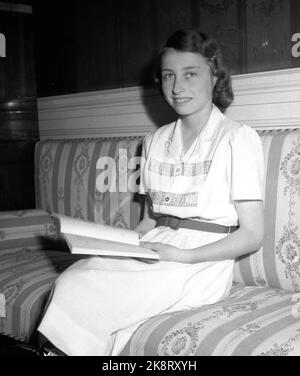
95, 230
84, 245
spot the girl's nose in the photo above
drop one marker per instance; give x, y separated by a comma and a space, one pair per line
178, 87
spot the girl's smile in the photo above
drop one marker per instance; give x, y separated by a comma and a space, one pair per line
181, 100
187, 82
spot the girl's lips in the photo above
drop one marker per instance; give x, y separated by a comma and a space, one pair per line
181, 100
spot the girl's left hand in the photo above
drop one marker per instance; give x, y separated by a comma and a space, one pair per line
166, 252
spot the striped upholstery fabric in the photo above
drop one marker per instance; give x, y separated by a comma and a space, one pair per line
70, 179
26, 277
32, 229
251, 321
261, 315
277, 263
29, 263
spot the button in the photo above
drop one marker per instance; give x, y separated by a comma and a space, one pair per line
167, 199
178, 170
167, 144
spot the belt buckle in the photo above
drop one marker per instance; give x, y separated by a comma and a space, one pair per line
177, 224
229, 230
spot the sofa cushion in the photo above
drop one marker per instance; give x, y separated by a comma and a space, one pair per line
32, 229
277, 263
89, 179
70, 181
251, 321
26, 278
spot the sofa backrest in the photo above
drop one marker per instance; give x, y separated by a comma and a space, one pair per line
277, 263
80, 178
77, 177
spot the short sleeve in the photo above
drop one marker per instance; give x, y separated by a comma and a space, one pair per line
144, 155
247, 165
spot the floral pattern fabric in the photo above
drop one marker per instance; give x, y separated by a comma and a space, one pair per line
32, 229
261, 315
68, 180
251, 321
277, 263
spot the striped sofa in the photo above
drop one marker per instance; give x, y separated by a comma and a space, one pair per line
260, 317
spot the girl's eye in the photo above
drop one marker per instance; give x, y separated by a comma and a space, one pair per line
167, 76
191, 74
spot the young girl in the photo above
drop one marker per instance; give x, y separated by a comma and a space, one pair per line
202, 176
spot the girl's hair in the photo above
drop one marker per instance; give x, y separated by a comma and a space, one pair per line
193, 40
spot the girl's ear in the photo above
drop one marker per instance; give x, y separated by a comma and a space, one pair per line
215, 79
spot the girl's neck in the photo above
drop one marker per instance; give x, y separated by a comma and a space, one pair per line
193, 124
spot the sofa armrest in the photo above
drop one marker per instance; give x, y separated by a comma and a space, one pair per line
30, 229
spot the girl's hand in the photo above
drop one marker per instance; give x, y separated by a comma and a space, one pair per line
166, 252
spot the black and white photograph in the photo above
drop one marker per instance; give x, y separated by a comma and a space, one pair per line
149, 181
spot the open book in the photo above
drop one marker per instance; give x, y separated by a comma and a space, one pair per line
91, 238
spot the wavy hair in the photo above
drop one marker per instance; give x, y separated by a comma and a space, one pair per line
193, 40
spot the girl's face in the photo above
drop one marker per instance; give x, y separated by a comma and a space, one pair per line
187, 81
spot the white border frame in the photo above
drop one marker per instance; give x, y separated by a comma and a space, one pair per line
264, 100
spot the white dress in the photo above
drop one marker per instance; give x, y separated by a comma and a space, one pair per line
98, 303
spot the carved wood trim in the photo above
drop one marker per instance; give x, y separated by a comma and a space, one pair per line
263, 100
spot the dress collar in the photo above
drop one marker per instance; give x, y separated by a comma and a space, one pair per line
208, 133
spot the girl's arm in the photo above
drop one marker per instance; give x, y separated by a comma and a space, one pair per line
246, 239
147, 223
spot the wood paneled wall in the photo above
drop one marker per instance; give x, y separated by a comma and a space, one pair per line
18, 108
94, 45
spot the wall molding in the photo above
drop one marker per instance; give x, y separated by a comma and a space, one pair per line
263, 100
13, 7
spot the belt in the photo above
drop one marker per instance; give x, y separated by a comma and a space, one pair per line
175, 223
